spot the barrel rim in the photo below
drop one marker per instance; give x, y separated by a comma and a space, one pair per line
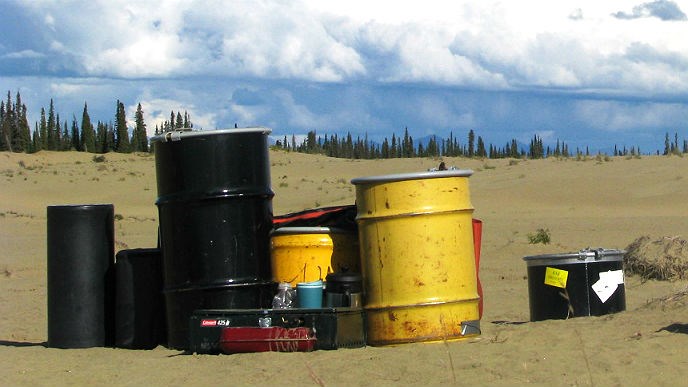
80, 207
286, 230
582, 256
179, 134
411, 176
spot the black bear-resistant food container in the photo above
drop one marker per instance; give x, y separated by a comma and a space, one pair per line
80, 275
140, 321
585, 283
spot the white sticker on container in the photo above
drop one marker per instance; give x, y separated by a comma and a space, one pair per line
607, 284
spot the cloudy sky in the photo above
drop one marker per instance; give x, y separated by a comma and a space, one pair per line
593, 73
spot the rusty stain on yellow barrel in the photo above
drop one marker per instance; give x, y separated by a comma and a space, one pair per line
305, 254
417, 256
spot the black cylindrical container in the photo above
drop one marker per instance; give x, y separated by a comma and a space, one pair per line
215, 212
80, 275
140, 305
586, 283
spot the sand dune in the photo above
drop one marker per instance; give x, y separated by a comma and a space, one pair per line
586, 203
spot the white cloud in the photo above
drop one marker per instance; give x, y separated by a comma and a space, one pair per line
23, 54
49, 21
662, 9
60, 89
576, 14
615, 116
157, 110
488, 45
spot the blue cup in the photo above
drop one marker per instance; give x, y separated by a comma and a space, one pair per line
309, 295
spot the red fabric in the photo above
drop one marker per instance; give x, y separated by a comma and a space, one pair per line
477, 242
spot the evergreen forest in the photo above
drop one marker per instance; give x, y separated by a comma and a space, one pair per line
56, 133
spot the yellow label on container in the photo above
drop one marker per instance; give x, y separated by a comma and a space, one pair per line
556, 277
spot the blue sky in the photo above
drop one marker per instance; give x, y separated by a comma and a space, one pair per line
593, 73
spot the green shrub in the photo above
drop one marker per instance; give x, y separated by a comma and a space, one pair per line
540, 236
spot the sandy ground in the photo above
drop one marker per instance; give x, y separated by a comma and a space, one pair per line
590, 203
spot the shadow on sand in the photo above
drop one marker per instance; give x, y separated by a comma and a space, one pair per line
18, 344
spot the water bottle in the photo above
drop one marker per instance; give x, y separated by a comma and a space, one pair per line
285, 297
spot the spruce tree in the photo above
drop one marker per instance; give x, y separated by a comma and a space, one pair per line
65, 138
88, 135
43, 129
406, 144
36, 141
3, 141
179, 122
23, 124
52, 128
122, 144
99, 138
76, 139
110, 137
140, 137
58, 133
187, 120
6, 125
480, 151
393, 148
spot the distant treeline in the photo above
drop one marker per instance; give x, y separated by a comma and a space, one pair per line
397, 147
53, 133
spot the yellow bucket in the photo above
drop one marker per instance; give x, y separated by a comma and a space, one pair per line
305, 254
417, 257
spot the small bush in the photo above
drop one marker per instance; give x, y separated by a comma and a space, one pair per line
540, 236
98, 159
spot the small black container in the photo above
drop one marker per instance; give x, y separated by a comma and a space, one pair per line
344, 289
586, 283
80, 275
140, 305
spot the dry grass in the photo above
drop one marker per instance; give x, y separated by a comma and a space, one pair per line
665, 258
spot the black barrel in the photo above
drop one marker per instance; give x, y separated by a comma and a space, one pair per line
80, 275
215, 213
140, 305
585, 283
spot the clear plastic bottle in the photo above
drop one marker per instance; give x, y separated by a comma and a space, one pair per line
285, 296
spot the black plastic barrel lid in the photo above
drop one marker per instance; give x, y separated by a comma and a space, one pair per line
342, 282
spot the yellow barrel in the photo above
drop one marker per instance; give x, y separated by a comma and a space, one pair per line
417, 257
305, 254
